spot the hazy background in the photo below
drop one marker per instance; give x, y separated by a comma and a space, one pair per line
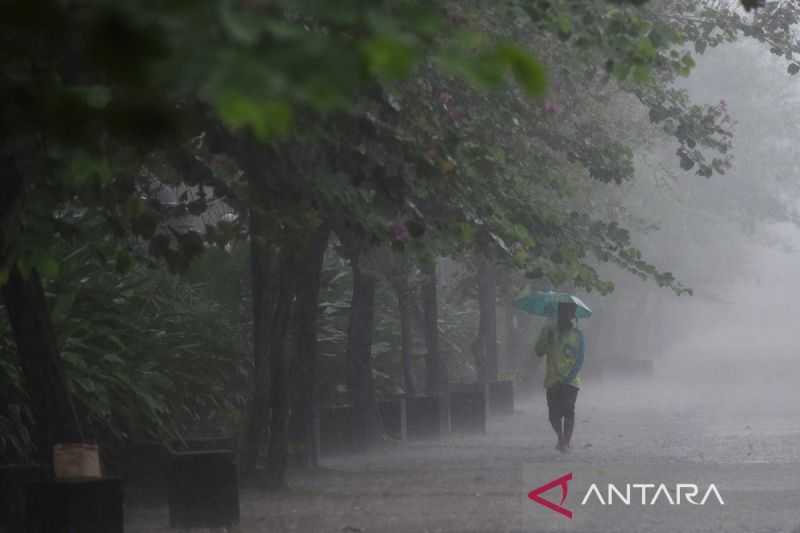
732, 347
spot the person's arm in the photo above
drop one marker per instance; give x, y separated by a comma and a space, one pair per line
544, 341
578, 359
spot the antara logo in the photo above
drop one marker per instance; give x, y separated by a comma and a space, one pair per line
563, 482
689, 491
649, 494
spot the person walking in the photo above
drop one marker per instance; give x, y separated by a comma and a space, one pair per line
563, 346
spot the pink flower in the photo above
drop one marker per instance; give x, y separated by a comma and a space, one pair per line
551, 107
399, 232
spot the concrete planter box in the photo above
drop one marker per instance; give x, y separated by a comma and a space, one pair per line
501, 397
300, 457
394, 417
427, 416
145, 468
469, 407
203, 490
14, 483
86, 506
335, 430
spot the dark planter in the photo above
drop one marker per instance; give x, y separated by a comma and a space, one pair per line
335, 430
14, 482
301, 453
501, 397
469, 407
427, 416
145, 467
203, 490
393, 415
68, 506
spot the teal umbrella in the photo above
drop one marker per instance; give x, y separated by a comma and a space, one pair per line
546, 304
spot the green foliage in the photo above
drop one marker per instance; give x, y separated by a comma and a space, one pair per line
146, 354
15, 417
112, 83
490, 67
355, 113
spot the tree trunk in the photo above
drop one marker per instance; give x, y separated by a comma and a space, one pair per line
511, 357
404, 304
366, 422
304, 369
517, 345
487, 301
258, 411
42, 368
436, 370
278, 453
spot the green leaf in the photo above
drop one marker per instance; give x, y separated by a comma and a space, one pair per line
145, 223
526, 69
564, 24
123, 262
95, 96
687, 64
645, 49
113, 358
266, 118
85, 168
388, 57
621, 70
47, 266
700, 46
467, 232
641, 73
243, 29
134, 207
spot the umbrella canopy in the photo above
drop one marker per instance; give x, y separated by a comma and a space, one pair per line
546, 304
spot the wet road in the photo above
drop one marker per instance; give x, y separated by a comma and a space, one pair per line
748, 439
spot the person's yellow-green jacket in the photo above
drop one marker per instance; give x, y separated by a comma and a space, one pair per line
564, 353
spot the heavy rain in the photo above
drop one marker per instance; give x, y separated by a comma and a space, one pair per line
398, 266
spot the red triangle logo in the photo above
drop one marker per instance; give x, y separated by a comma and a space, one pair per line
563, 482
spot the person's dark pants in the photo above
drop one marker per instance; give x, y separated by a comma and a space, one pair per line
561, 406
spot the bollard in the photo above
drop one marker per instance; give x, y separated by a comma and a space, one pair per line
70, 505
427, 416
336, 430
469, 407
394, 417
203, 489
145, 467
501, 397
14, 482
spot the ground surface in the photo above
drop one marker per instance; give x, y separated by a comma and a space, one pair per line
476, 483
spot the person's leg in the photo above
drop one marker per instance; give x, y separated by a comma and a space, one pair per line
569, 426
554, 413
570, 395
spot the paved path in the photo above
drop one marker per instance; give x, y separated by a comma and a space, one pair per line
477, 483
